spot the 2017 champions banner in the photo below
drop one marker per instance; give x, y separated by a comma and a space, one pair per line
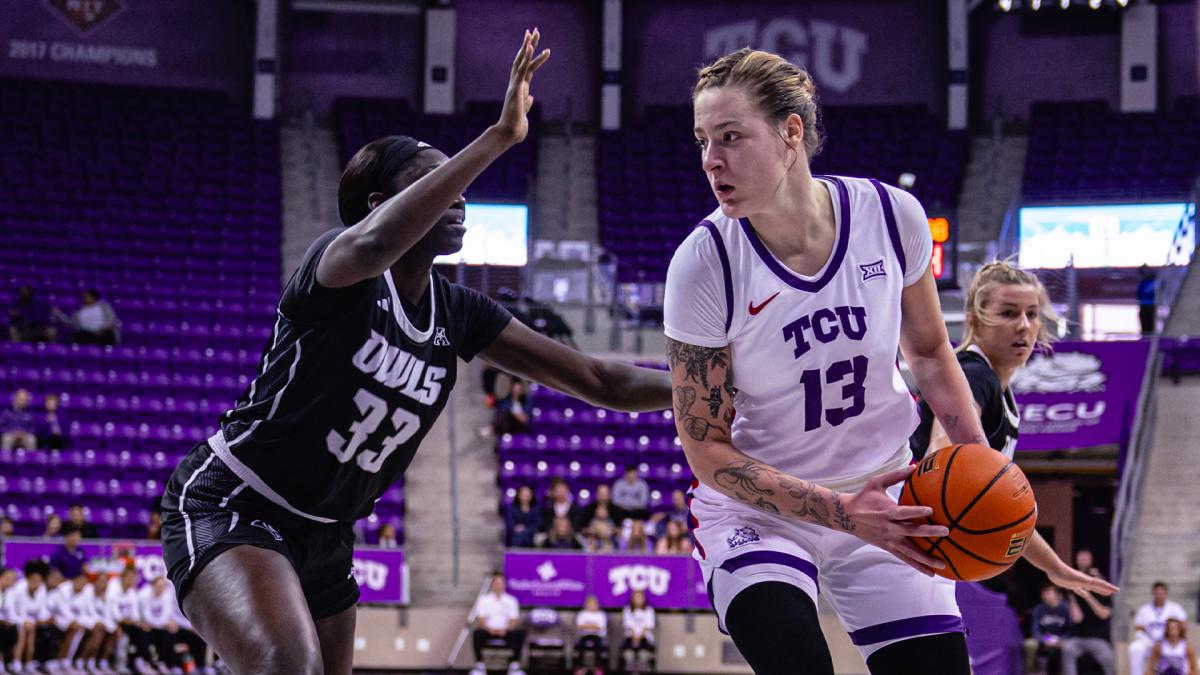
381, 573
1083, 395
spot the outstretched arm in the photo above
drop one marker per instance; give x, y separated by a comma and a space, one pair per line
521, 351
1041, 556
369, 247
926, 348
702, 378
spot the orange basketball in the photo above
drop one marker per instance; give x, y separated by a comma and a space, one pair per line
985, 500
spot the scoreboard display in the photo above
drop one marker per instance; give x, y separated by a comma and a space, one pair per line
945, 252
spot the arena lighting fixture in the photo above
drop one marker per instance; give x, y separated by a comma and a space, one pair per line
1064, 3
1094, 4
1005, 5
1035, 4
1122, 3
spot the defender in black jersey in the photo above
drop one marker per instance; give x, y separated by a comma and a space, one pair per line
257, 520
1008, 313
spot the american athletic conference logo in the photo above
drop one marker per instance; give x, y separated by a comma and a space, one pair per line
741, 537
84, 15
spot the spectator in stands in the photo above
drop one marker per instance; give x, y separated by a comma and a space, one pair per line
53, 527
511, 415
591, 629
521, 519
154, 527
678, 511
1173, 655
1147, 307
1150, 624
51, 425
18, 424
1090, 631
636, 540
387, 536
1051, 625
6, 527
68, 558
559, 504
600, 537
29, 319
562, 535
675, 540
638, 622
496, 617
603, 499
76, 517
95, 322
631, 494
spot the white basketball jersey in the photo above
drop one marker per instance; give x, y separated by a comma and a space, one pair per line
814, 359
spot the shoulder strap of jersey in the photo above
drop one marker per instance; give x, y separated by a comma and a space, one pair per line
728, 274
889, 216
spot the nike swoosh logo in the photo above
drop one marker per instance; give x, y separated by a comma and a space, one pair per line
755, 310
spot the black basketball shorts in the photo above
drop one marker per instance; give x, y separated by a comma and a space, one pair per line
208, 510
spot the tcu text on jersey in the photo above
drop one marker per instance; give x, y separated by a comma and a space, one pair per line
826, 324
394, 368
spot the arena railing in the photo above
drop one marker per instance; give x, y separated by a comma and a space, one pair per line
1179, 257
1123, 534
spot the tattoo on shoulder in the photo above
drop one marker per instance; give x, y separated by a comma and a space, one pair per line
696, 361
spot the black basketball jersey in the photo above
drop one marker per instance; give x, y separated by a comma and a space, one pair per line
348, 387
998, 409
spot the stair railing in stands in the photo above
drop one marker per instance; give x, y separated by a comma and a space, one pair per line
1123, 534
1179, 256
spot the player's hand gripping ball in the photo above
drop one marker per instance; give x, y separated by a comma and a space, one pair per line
986, 502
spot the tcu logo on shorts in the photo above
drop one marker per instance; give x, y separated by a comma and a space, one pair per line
741, 537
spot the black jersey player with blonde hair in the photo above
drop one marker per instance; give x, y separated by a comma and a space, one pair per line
257, 520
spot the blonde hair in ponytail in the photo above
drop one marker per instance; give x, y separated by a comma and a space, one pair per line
1003, 273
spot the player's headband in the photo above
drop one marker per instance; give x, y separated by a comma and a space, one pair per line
397, 153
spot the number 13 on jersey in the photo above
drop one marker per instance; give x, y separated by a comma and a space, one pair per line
856, 370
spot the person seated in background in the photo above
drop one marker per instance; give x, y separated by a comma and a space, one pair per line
521, 519
1089, 617
157, 610
631, 494
1150, 624
635, 539
6, 527
511, 415
121, 606
637, 620
387, 536
603, 501
95, 322
68, 558
560, 504
1172, 655
591, 629
29, 319
1051, 625
562, 535
154, 527
54, 526
78, 518
496, 616
8, 632
600, 537
674, 541
678, 511
26, 605
51, 425
18, 424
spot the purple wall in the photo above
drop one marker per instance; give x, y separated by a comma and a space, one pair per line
858, 52
489, 33
207, 45
1179, 35
329, 55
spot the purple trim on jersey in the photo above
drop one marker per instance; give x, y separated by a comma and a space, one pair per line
720, 244
889, 216
772, 558
904, 628
835, 261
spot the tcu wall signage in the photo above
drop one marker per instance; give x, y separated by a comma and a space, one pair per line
832, 52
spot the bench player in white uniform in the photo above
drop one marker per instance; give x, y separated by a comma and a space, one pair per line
784, 310
1173, 655
1150, 625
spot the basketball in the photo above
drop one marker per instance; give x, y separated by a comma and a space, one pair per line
986, 501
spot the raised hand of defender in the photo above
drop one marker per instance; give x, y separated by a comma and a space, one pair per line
877, 519
517, 101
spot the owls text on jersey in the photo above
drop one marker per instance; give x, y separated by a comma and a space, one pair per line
348, 387
997, 408
819, 395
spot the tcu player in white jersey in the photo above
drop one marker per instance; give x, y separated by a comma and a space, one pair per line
783, 314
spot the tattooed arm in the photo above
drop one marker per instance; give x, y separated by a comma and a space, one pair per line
703, 383
926, 348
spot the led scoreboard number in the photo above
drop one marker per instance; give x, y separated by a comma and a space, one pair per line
942, 260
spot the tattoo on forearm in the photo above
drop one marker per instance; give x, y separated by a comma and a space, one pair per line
684, 398
767, 506
696, 360
950, 424
696, 427
812, 504
743, 475
844, 520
